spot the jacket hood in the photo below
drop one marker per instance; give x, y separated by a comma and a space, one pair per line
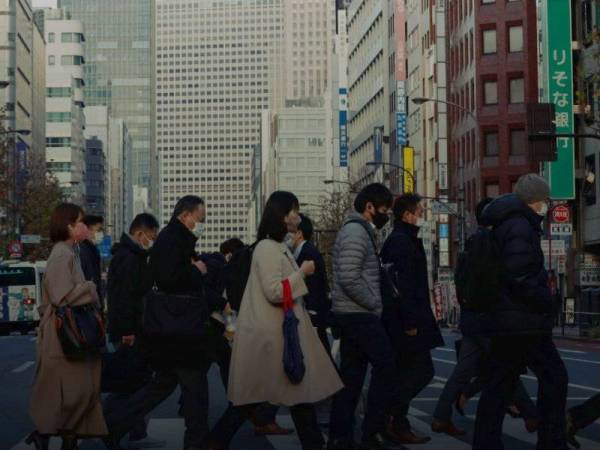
507, 206
128, 243
356, 217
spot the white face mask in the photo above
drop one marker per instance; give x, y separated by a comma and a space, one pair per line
150, 245
289, 241
98, 237
542, 212
420, 222
198, 229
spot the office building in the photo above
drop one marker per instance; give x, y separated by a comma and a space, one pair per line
95, 177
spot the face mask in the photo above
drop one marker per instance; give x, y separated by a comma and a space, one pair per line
420, 222
542, 212
98, 237
149, 245
80, 232
198, 229
380, 219
289, 241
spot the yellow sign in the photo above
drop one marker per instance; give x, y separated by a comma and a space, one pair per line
408, 157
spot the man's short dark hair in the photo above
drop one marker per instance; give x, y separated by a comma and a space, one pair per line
91, 220
479, 210
144, 221
231, 246
306, 227
375, 193
188, 203
404, 203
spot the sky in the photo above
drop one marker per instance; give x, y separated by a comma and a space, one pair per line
37, 3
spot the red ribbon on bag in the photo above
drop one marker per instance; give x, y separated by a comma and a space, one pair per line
288, 300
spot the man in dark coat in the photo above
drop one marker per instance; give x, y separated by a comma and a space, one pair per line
89, 255
317, 300
129, 279
409, 319
521, 322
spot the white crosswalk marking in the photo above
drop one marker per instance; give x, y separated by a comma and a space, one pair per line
23, 367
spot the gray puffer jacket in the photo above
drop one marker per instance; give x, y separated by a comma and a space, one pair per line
356, 287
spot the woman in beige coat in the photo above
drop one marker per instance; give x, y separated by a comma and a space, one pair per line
257, 374
66, 394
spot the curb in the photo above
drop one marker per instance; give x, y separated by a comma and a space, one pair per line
577, 339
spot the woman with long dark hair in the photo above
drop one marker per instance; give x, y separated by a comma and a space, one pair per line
257, 372
66, 393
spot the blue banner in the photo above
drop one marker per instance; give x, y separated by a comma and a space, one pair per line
343, 92
378, 144
105, 246
401, 136
21, 163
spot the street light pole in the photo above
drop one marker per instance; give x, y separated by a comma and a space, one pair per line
396, 166
461, 164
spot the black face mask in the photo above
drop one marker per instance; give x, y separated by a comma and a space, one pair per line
380, 219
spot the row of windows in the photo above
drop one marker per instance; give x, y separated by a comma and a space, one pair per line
58, 142
58, 117
515, 40
67, 60
66, 37
59, 92
59, 166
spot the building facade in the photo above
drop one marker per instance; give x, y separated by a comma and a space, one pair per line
95, 177
65, 120
218, 65
118, 74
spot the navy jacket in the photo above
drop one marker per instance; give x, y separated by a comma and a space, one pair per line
91, 264
405, 252
216, 266
128, 281
317, 298
525, 303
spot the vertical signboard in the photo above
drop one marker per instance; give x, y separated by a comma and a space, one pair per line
408, 157
21, 165
559, 69
378, 144
343, 94
400, 72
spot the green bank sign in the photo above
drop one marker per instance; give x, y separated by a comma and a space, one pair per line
558, 72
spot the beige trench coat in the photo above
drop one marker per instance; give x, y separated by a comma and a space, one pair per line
256, 374
66, 394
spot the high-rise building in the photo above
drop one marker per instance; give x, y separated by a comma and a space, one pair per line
38, 98
218, 65
119, 70
65, 121
95, 177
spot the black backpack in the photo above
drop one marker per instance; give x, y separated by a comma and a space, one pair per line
478, 273
237, 273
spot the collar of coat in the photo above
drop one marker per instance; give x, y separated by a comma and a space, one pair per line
407, 228
178, 227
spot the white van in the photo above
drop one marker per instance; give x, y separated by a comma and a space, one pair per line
20, 295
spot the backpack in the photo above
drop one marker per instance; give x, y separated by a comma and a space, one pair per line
478, 273
237, 273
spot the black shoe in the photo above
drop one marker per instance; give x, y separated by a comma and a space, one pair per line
112, 443
69, 443
40, 442
378, 441
342, 444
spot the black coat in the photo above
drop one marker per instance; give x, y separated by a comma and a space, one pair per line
129, 279
317, 298
173, 273
525, 303
405, 252
216, 266
91, 264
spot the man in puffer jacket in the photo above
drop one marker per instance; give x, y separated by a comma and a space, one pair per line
357, 307
521, 322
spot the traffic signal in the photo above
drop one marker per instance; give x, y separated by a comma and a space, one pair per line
541, 131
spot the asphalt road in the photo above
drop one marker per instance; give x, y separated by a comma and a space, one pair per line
17, 367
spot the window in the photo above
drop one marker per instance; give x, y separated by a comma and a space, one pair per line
58, 92
51, 60
51, 37
58, 142
58, 117
489, 41
491, 143
515, 39
517, 90
69, 60
518, 143
492, 190
490, 92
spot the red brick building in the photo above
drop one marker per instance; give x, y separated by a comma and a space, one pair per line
492, 72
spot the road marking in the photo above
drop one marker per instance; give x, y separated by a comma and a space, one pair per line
23, 367
577, 352
576, 386
33, 339
580, 360
444, 349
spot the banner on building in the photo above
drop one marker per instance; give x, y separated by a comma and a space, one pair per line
378, 144
408, 156
558, 57
21, 165
343, 94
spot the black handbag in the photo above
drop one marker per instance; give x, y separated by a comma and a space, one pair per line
174, 315
80, 330
124, 371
